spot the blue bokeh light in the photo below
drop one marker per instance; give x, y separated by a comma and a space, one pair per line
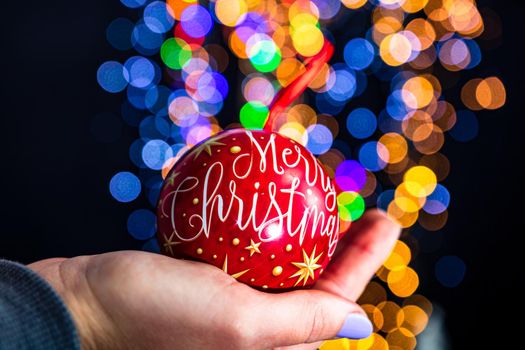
359, 54
196, 21
395, 106
450, 271
344, 87
385, 198
438, 201
475, 53
133, 3
361, 123
327, 8
112, 76
151, 246
369, 156
119, 32
320, 139
157, 17
141, 71
141, 224
155, 153
125, 186
145, 41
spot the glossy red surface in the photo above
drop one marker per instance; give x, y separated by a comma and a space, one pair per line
253, 203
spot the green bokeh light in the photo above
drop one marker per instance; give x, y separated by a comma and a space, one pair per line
254, 115
351, 206
265, 56
175, 53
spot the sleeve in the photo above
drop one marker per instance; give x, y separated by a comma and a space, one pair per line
32, 315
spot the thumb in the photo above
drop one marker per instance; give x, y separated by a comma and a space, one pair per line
308, 316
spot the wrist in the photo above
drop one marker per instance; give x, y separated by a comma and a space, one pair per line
69, 279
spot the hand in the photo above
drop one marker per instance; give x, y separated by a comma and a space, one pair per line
137, 300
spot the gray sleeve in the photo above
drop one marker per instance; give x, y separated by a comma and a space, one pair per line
32, 315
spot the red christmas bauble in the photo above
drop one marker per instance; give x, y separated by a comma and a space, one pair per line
256, 204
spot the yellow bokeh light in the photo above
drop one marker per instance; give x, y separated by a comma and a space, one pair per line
417, 125
424, 30
399, 257
302, 114
294, 131
307, 39
374, 294
433, 143
491, 93
413, 6
406, 201
420, 181
421, 302
303, 7
403, 218
289, 70
361, 344
336, 344
302, 19
464, 17
395, 49
384, 26
237, 46
379, 343
417, 92
354, 4
390, 312
322, 81
231, 12
375, 315
401, 338
469, 94
413, 318
396, 146
403, 282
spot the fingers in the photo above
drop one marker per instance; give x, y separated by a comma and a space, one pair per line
307, 316
362, 251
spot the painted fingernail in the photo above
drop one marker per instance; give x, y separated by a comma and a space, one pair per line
356, 326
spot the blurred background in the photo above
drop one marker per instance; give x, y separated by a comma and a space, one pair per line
56, 171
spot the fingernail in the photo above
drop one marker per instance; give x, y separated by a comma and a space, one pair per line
356, 326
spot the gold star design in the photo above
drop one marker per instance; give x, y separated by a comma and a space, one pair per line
169, 243
206, 146
253, 247
172, 177
306, 268
225, 269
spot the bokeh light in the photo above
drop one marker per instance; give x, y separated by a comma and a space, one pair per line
361, 123
253, 115
125, 186
359, 54
112, 76
450, 271
141, 224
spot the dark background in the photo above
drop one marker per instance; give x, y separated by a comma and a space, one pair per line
54, 178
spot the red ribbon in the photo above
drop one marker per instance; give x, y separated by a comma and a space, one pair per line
287, 95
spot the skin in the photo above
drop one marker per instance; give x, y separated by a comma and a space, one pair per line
138, 300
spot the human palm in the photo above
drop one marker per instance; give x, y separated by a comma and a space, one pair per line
137, 300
